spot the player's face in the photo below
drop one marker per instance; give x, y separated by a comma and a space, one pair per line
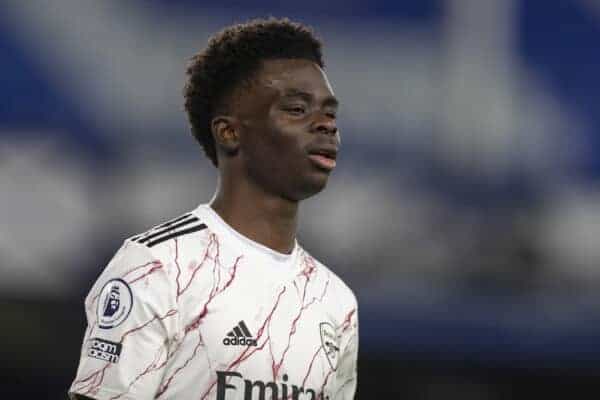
289, 138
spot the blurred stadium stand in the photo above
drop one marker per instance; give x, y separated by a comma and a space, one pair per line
465, 211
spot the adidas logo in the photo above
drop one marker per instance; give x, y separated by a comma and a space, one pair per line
239, 336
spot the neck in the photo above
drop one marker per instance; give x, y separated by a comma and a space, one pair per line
265, 218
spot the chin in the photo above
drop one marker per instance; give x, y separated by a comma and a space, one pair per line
310, 187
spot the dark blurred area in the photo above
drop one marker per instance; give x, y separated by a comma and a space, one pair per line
464, 212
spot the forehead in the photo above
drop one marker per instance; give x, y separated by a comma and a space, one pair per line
303, 75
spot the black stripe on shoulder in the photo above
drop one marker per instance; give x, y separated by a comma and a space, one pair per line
179, 221
173, 221
176, 234
167, 229
163, 225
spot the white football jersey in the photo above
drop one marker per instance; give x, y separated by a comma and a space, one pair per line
194, 310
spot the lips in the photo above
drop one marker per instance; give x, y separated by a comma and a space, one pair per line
323, 157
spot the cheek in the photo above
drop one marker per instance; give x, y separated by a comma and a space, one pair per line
289, 152
265, 153
274, 146
282, 142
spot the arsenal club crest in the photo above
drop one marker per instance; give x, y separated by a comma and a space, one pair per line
331, 343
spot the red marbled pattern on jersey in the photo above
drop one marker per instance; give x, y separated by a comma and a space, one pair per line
306, 272
153, 366
247, 353
165, 385
92, 382
310, 286
95, 379
156, 264
90, 389
311, 364
346, 324
153, 263
214, 292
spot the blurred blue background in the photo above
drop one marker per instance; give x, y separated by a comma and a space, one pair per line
464, 212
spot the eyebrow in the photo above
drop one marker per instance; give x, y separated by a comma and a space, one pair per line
328, 101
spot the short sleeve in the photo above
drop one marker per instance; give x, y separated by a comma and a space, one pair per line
132, 318
346, 372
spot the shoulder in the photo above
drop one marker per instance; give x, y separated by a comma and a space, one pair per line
160, 236
172, 241
145, 260
344, 294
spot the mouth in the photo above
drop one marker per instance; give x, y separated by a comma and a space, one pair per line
324, 157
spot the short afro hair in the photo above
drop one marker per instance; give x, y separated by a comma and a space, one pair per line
231, 58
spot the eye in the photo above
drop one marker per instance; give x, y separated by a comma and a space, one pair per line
331, 115
295, 110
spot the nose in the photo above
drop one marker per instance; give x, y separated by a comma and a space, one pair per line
326, 124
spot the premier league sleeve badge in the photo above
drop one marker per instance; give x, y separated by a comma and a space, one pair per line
114, 304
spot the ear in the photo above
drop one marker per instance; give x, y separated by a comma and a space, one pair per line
225, 130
